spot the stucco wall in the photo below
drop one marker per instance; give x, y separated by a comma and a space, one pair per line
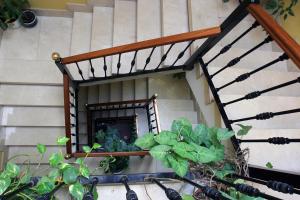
292, 24
53, 4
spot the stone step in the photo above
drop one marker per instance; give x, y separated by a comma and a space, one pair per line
262, 104
124, 33
81, 40
167, 117
38, 72
174, 21
32, 116
175, 105
148, 27
289, 152
31, 95
259, 81
102, 37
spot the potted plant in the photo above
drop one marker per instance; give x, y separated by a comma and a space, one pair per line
28, 18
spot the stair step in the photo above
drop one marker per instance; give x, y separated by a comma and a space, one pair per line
32, 116
175, 21
264, 104
141, 88
93, 94
31, 95
12, 72
81, 41
166, 118
124, 33
104, 93
32, 135
175, 105
259, 81
289, 152
148, 27
102, 37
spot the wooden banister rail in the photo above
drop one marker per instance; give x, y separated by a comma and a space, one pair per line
183, 37
279, 35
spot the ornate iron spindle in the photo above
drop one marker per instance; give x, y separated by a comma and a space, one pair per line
266, 115
79, 71
105, 66
130, 194
247, 75
238, 59
170, 193
133, 62
273, 140
180, 55
92, 68
149, 58
256, 94
228, 47
163, 58
89, 195
119, 63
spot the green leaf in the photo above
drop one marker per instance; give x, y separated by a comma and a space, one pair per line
55, 159
70, 175
12, 170
228, 196
54, 174
87, 149
244, 130
224, 134
213, 136
62, 140
45, 185
183, 127
25, 178
166, 137
219, 152
4, 184
227, 169
201, 135
63, 166
205, 155
95, 193
84, 171
77, 191
96, 146
269, 165
188, 197
179, 165
79, 161
146, 142
159, 152
41, 148
186, 151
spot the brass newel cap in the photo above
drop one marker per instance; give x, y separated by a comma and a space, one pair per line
55, 56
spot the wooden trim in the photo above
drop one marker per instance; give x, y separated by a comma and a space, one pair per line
66, 82
280, 36
144, 45
118, 103
105, 154
156, 115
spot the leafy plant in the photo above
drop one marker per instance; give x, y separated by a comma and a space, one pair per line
11, 10
60, 172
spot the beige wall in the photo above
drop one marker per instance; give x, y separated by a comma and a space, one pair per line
53, 4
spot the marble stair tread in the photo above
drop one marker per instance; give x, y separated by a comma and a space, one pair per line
263, 104
124, 33
166, 119
148, 27
102, 37
31, 95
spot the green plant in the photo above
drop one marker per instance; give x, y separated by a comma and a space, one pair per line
60, 172
11, 10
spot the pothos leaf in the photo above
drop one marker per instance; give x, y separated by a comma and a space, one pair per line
70, 175
87, 149
55, 159
77, 191
244, 130
269, 165
62, 140
4, 184
45, 185
84, 171
41, 148
96, 146
12, 170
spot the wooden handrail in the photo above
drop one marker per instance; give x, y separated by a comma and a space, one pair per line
279, 35
104, 154
143, 45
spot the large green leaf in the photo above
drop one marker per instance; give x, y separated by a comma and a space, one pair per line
45, 185
54, 174
201, 135
41, 148
55, 159
244, 130
204, 154
4, 184
159, 152
219, 152
188, 197
183, 127
77, 191
185, 151
62, 140
213, 136
12, 170
179, 165
224, 134
84, 171
87, 149
70, 175
146, 142
167, 138
96, 146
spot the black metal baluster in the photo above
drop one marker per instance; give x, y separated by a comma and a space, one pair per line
133, 61
245, 76
274, 140
130, 194
105, 66
119, 63
149, 58
180, 55
170, 193
228, 47
89, 195
256, 94
163, 58
238, 59
266, 115
92, 68
79, 71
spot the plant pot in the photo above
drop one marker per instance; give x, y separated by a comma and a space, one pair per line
28, 19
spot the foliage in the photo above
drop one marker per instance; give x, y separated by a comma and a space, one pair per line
11, 10
269, 165
60, 172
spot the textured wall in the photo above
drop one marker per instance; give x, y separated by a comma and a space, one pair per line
292, 24
53, 4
